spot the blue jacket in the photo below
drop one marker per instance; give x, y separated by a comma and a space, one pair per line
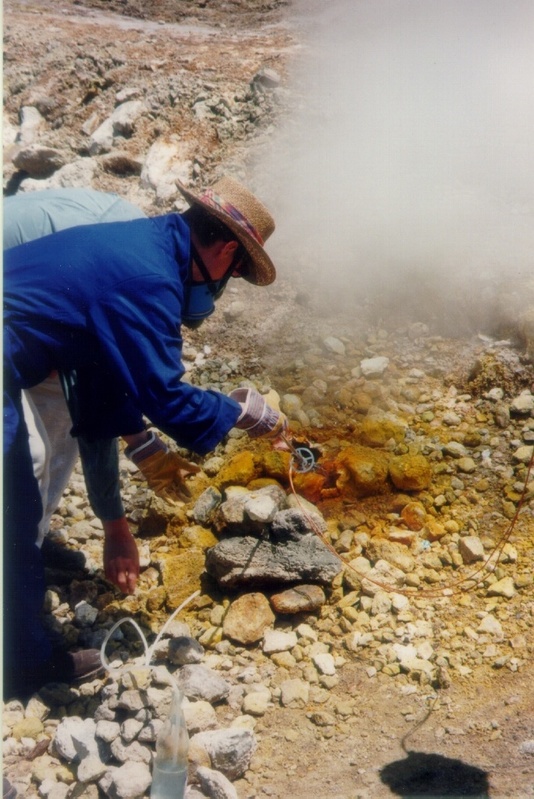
106, 301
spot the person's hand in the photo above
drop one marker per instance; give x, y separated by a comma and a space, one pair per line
257, 417
163, 469
121, 556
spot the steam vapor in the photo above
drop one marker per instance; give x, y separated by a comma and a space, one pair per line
406, 167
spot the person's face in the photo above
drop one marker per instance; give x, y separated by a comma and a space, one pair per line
217, 259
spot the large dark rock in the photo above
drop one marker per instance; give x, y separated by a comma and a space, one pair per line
247, 561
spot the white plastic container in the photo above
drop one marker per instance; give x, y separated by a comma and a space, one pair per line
169, 774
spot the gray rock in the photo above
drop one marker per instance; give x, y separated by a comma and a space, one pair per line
131, 700
185, 649
206, 505
85, 614
249, 562
292, 524
199, 682
455, 449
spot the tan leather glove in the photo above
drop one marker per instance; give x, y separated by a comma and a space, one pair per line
163, 469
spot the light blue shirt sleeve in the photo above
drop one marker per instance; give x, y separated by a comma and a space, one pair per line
31, 215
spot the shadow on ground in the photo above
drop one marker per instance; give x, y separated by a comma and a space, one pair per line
434, 776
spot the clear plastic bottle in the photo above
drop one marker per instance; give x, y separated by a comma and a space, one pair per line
169, 775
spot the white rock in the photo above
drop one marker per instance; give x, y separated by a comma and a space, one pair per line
278, 641
324, 663
75, 738
334, 345
215, 784
107, 730
261, 508
504, 588
230, 750
31, 125
294, 692
374, 367
78, 174
523, 454
306, 631
130, 729
471, 548
101, 140
199, 682
125, 115
129, 781
199, 716
523, 405
167, 161
491, 625
404, 651
91, 769
256, 703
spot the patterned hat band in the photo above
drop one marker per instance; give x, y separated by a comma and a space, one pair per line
210, 198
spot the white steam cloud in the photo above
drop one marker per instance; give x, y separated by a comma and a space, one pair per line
408, 160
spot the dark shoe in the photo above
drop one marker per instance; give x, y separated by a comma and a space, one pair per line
74, 666
9, 790
87, 664
63, 667
59, 556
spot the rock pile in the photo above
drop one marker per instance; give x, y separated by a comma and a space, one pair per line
123, 119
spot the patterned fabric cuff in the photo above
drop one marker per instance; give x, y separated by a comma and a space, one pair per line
150, 447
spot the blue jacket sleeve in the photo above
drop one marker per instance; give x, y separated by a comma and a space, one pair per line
140, 326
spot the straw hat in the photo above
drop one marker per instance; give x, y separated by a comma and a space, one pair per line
246, 217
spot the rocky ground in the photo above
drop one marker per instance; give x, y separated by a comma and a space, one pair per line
401, 665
